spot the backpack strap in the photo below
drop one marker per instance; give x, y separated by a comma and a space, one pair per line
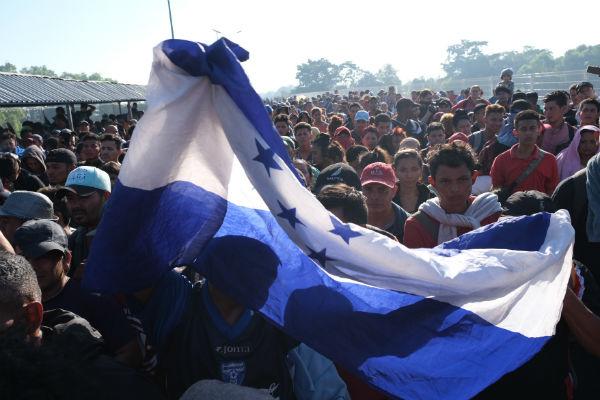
527, 171
426, 222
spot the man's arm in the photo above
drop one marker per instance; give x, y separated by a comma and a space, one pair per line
584, 324
554, 178
496, 174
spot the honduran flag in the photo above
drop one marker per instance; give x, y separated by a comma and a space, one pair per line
206, 167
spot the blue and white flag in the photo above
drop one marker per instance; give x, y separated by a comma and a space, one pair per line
206, 169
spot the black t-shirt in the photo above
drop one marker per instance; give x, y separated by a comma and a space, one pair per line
571, 195
70, 363
103, 313
27, 181
250, 353
542, 377
397, 227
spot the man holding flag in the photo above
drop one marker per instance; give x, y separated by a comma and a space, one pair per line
440, 323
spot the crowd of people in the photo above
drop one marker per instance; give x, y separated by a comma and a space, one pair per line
421, 170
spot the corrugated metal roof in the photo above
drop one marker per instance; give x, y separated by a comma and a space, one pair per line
18, 90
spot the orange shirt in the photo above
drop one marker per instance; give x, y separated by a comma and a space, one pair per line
507, 168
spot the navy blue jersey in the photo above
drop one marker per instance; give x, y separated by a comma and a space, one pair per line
203, 346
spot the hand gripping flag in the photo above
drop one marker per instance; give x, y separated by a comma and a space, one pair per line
206, 169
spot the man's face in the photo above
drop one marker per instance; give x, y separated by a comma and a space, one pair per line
32, 165
8, 226
587, 93
573, 94
83, 128
493, 122
8, 145
379, 197
303, 137
303, 168
58, 172
553, 112
503, 97
436, 137
369, 140
475, 93
317, 155
588, 145
85, 210
109, 151
453, 185
353, 111
383, 128
90, 150
479, 116
50, 270
464, 126
361, 125
111, 129
589, 114
528, 131
426, 98
316, 114
373, 104
282, 128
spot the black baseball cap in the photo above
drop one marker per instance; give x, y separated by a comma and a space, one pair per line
38, 237
527, 203
64, 156
337, 173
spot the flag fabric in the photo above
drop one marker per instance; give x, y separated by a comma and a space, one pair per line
206, 169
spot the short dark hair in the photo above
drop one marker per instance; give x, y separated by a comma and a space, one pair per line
459, 115
354, 152
302, 125
434, 126
584, 85
557, 96
109, 137
355, 104
111, 167
382, 118
526, 115
405, 154
494, 108
532, 96
18, 282
281, 118
502, 88
593, 102
351, 201
9, 166
90, 136
479, 107
452, 155
518, 95
376, 155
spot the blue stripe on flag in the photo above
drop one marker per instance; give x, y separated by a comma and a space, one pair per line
386, 337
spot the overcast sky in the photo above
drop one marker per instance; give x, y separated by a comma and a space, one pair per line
116, 37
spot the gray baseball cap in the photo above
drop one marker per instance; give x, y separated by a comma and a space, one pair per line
36, 238
28, 205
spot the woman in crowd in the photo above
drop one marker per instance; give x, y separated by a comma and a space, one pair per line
411, 193
583, 147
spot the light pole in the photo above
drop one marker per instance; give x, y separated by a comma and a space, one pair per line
171, 19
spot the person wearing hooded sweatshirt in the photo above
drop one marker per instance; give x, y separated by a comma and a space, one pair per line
34, 160
585, 145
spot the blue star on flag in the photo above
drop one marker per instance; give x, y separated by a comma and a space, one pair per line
343, 230
319, 256
289, 214
266, 157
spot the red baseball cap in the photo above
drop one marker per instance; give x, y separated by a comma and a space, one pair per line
378, 173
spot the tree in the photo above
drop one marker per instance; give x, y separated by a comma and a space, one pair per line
349, 74
39, 70
316, 75
388, 75
368, 79
8, 67
466, 59
579, 58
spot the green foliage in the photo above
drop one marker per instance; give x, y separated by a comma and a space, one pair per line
14, 116
39, 70
8, 67
466, 59
388, 75
316, 75
42, 70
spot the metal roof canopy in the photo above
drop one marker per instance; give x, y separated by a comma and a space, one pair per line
19, 90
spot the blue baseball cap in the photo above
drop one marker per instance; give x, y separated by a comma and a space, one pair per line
86, 180
362, 115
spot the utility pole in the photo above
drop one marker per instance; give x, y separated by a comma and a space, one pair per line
171, 19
